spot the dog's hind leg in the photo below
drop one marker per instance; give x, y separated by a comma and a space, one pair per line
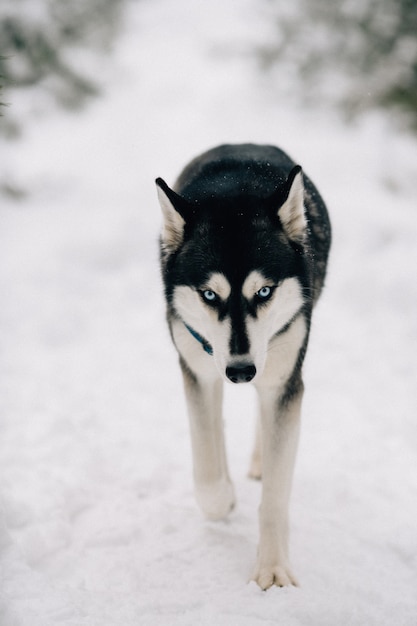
280, 430
213, 488
255, 469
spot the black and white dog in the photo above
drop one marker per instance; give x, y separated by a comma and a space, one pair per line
244, 248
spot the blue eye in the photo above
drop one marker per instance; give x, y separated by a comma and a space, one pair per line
264, 293
209, 296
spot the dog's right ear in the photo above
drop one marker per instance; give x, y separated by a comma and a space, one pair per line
174, 209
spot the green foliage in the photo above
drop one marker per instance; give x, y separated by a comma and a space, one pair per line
41, 42
358, 54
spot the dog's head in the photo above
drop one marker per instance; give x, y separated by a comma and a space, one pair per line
234, 270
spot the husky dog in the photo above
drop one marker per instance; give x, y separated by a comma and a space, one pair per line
244, 247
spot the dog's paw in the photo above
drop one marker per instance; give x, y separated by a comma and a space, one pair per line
277, 575
216, 500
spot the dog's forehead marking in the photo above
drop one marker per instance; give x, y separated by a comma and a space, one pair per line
219, 284
253, 283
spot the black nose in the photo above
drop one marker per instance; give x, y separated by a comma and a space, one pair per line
240, 372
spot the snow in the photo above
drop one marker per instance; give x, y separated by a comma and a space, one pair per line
99, 524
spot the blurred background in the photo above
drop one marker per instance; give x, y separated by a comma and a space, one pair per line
97, 518
354, 55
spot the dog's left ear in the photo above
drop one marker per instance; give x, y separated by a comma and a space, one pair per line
291, 210
174, 209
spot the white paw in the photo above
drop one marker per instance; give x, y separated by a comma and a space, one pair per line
278, 575
216, 500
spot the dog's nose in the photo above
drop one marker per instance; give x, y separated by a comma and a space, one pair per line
240, 372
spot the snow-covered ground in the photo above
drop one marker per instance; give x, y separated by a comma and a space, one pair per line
99, 524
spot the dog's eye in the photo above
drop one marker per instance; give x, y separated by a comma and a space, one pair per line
264, 293
209, 296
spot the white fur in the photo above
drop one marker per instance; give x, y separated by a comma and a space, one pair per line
276, 442
213, 488
253, 283
272, 317
274, 455
219, 284
279, 435
292, 212
204, 320
173, 224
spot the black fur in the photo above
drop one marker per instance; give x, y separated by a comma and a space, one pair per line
229, 198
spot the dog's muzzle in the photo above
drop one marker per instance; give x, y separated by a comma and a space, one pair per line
241, 372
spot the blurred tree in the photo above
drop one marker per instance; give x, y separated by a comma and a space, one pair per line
41, 42
355, 53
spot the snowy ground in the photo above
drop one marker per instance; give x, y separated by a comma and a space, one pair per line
99, 525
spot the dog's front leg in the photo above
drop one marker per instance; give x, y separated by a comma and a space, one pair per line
280, 430
213, 488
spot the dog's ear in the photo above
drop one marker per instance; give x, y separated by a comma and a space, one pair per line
174, 209
291, 210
